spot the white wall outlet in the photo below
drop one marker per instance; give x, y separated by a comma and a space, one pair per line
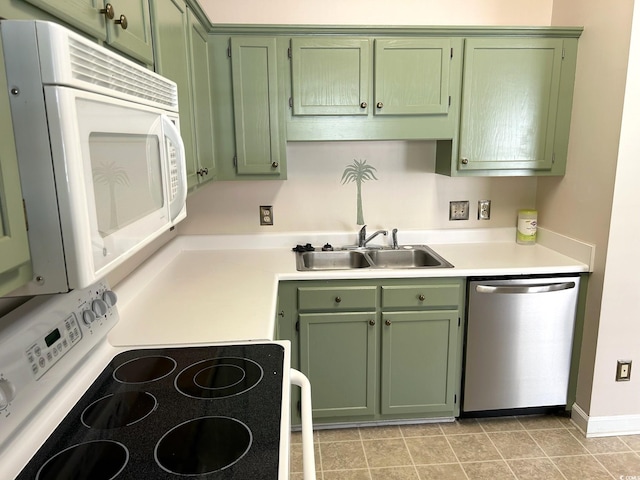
266, 215
623, 371
459, 210
484, 209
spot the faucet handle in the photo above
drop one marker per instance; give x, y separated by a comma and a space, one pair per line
394, 238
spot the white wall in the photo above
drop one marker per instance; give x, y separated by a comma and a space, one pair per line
619, 328
406, 195
381, 12
579, 204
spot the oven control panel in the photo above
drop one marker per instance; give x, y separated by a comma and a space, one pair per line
43, 353
43, 342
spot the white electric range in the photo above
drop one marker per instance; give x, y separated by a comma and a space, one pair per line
72, 406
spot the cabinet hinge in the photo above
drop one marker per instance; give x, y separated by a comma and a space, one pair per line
299, 407
455, 399
289, 52
459, 321
553, 158
451, 53
449, 100
563, 52
229, 51
235, 160
298, 326
290, 102
26, 220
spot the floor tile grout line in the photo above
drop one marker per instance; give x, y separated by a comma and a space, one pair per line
464, 472
543, 451
364, 452
413, 462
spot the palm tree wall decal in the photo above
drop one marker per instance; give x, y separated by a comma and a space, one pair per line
110, 174
358, 172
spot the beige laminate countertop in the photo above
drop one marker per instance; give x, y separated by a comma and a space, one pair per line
198, 290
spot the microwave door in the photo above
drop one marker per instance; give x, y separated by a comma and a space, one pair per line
176, 160
109, 160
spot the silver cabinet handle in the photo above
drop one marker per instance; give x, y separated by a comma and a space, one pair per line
541, 288
363, 105
372, 322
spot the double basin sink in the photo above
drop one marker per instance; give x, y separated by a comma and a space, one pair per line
405, 256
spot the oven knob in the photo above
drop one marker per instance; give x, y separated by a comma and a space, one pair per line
7, 393
88, 316
110, 298
99, 307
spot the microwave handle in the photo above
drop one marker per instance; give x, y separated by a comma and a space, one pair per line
173, 134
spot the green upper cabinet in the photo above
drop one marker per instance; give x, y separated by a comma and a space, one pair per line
15, 260
123, 24
412, 76
374, 88
202, 105
330, 76
516, 107
259, 135
181, 55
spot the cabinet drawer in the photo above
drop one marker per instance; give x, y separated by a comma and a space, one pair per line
447, 295
336, 298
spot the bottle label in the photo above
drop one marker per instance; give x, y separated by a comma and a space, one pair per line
527, 230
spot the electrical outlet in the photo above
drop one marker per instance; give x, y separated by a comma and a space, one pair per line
459, 210
266, 215
484, 209
623, 371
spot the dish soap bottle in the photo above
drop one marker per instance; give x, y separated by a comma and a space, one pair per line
527, 227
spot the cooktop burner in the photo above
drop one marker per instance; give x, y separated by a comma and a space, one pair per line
204, 412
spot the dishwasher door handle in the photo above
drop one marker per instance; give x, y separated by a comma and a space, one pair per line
534, 288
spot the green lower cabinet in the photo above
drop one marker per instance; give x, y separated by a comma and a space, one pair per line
339, 356
378, 349
419, 352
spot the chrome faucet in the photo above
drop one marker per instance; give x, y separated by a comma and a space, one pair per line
394, 239
363, 239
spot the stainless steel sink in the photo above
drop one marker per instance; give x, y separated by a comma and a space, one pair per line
405, 256
334, 260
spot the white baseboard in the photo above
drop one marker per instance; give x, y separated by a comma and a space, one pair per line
604, 426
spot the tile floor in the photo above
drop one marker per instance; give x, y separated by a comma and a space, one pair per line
523, 448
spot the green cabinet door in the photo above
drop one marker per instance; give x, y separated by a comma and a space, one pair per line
83, 14
338, 355
260, 143
128, 31
509, 103
412, 76
202, 105
330, 76
172, 61
15, 264
419, 360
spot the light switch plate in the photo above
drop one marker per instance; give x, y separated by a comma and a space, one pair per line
459, 210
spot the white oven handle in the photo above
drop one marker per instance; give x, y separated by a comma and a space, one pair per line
308, 456
176, 204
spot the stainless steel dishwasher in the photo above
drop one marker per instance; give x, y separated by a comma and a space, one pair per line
518, 343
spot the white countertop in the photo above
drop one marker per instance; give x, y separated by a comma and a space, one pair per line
202, 289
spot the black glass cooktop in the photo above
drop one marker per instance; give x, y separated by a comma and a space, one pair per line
199, 412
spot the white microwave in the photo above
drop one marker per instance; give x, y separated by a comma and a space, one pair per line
101, 161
